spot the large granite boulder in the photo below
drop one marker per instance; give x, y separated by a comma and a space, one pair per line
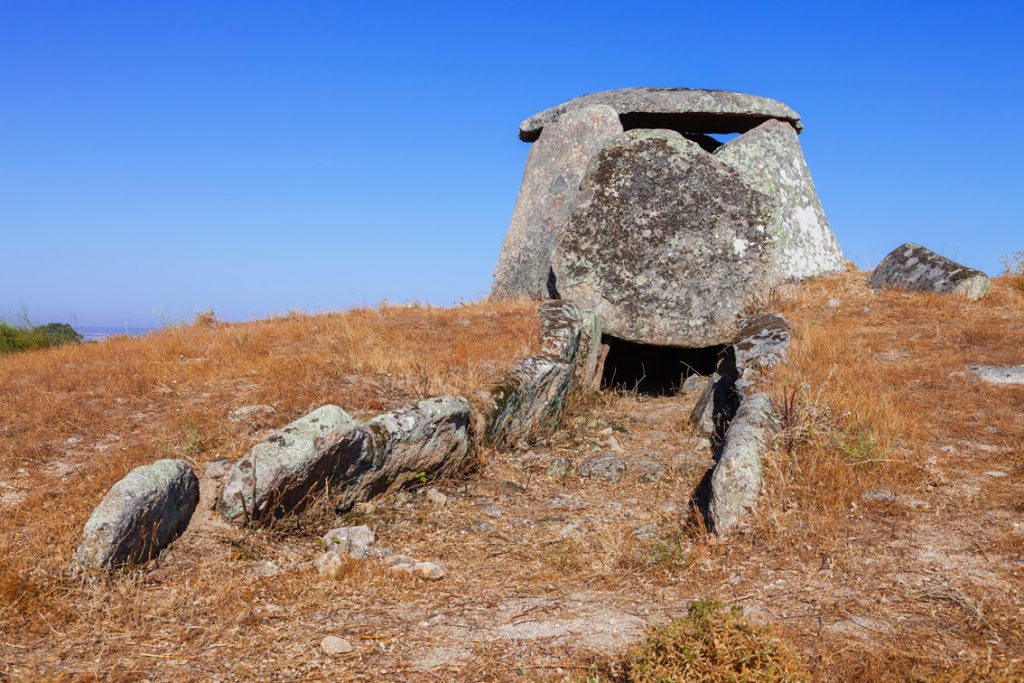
769, 158
551, 181
282, 473
428, 440
667, 244
911, 266
683, 109
140, 515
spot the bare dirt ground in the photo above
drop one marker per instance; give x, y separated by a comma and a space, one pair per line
888, 544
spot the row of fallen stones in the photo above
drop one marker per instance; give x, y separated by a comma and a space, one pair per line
328, 453
739, 419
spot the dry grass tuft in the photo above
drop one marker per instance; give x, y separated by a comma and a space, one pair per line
712, 644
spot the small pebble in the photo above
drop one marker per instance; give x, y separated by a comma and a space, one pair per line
333, 645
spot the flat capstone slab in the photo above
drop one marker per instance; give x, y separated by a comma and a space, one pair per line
681, 109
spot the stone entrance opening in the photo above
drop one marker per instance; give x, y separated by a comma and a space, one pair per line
654, 370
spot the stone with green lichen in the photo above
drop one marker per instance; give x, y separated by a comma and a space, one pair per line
140, 515
769, 158
667, 244
911, 266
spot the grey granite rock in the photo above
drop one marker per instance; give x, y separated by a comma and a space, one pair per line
561, 325
761, 343
428, 440
280, 474
911, 266
715, 406
589, 356
736, 479
683, 109
770, 159
140, 515
528, 404
551, 181
994, 374
656, 263
354, 541
604, 467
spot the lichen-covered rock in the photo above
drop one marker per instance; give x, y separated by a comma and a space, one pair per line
140, 515
736, 479
589, 356
604, 467
428, 440
683, 109
551, 181
561, 326
761, 343
994, 374
715, 406
770, 159
353, 541
911, 266
528, 404
667, 243
282, 473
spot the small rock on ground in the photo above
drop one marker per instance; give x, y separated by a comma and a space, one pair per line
999, 375
349, 540
605, 467
559, 467
431, 571
216, 469
649, 472
264, 568
333, 645
248, 413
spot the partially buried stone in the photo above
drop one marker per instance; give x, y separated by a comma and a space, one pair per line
911, 266
658, 265
999, 375
550, 183
604, 467
140, 515
350, 540
333, 645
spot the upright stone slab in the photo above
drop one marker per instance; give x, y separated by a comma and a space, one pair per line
911, 266
283, 473
769, 158
688, 110
430, 439
528, 404
561, 325
140, 515
551, 181
667, 243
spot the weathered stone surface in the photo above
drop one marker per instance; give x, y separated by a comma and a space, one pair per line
604, 467
528, 404
911, 266
761, 343
736, 479
430, 439
551, 181
683, 109
251, 413
589, 356
281, 473
715, 406
769, 159
561, 325
667, 243
354, 541
994, 374
140, 515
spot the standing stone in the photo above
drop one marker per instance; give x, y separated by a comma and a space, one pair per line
561, 326
528, 404
282, 473
667, 243
428, 440
551, 181
140, 515
589, 356
769, 159
911, 266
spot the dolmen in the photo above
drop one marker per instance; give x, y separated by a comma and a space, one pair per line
630, 208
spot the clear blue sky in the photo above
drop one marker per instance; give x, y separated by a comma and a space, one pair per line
163, 157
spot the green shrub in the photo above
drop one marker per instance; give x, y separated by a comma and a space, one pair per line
27, 337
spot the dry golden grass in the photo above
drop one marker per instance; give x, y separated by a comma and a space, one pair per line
880, 551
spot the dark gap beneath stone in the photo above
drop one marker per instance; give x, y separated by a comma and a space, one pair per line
693, 122
654, 370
